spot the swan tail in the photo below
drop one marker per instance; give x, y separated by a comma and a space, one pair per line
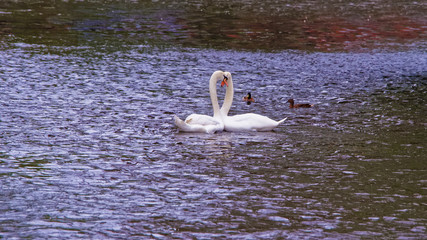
180, 124
279, 122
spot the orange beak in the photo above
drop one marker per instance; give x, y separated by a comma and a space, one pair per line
224, 81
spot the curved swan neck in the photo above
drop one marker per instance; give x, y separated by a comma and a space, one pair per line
216, 76
229, 92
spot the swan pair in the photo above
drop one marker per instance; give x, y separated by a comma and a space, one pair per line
220, 120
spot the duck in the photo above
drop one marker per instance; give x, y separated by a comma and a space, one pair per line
301, 105
248, 98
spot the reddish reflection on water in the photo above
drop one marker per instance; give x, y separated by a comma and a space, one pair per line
328, 34
306, 25
343, 34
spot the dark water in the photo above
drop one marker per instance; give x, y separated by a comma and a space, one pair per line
88, 148
268, 25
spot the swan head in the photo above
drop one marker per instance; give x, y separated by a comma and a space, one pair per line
224, 81
227, 78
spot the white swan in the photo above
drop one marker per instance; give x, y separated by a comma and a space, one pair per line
243, 122
205, 123
221, 121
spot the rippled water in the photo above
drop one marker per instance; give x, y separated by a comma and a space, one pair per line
88, 148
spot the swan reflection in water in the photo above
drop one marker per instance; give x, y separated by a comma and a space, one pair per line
224, 145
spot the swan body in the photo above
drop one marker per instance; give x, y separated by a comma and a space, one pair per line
199, 123
250, 122
201, 119
204, 123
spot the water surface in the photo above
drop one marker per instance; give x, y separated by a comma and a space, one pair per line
88, 148
268, 25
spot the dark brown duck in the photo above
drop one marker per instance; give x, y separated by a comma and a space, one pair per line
301, 105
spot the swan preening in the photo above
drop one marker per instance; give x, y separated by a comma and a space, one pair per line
220, 120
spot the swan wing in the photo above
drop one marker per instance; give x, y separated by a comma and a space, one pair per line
199, 119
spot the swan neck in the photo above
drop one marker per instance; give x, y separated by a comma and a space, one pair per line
216, 76
228, 100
